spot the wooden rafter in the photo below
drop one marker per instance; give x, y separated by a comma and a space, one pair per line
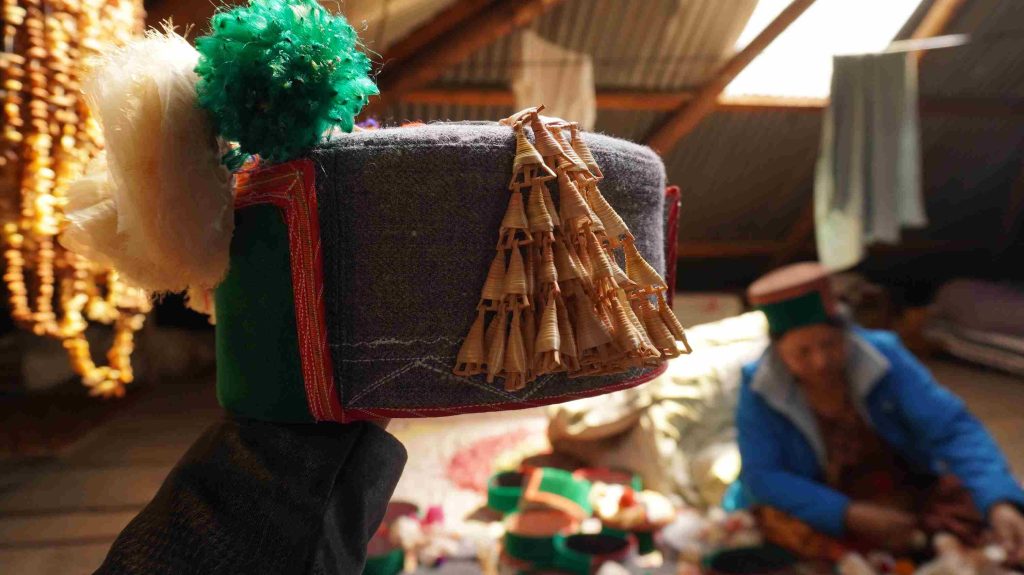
606, 99
658, 101
498, 19
797, 236
687, 116
936, 20
437, 26
725, 249
934, 23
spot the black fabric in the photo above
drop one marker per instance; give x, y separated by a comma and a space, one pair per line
256, 497
409, 220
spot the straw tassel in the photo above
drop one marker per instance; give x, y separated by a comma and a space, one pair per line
603, 272
528, 160
537, 211
549, 341
564, 264
494, 286
472, 358
620, 276
614, 227
672, 322
562, 301
650, 350
592, 334
573, 206
626, 336
567, 151
496, 338
531, 277
583, 151
641, 272
514, 226
567, 339
529, 330
515, 281
660, 334
550, 205
548, 273
585, 267
515, 356
547, 145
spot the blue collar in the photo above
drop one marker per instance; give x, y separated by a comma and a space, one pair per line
776, 385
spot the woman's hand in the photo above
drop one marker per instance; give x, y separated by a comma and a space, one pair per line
1008, 526
884, 526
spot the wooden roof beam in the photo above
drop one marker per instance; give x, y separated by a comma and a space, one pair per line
444, 22
934, 23
497, 19
654, 101
687, 116
727, 249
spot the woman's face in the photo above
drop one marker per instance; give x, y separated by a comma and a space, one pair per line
815, 354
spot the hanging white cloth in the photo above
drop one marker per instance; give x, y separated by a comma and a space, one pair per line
867, 183
560, 79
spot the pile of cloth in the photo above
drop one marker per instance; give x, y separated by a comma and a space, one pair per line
677, 432
981, 322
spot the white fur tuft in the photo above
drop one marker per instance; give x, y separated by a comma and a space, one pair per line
157, 205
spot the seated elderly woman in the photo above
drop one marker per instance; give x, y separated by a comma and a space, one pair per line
849, 444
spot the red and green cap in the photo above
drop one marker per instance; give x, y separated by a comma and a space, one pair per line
794, 296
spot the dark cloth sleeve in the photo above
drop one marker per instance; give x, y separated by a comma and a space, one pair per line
260, 497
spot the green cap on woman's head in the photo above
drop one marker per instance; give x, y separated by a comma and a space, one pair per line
794, 296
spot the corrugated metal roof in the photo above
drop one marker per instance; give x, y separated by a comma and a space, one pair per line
744, 175
414, 112
991, 65
642, 44
747, 175
969, 166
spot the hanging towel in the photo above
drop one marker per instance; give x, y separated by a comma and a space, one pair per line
559, 78
867, 183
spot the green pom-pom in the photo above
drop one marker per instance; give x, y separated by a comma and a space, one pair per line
277, 74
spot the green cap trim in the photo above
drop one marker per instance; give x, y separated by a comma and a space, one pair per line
645, 542
391, 563
537, 551
259, 369
563, 484
504, 498
808, 309
578, 562
644, 539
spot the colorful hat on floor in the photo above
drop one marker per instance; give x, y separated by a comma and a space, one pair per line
404, 272
794, 296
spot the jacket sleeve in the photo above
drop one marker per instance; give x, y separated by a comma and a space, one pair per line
769, 482
941, 424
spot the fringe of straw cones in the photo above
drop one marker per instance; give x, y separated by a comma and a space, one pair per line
556, 298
